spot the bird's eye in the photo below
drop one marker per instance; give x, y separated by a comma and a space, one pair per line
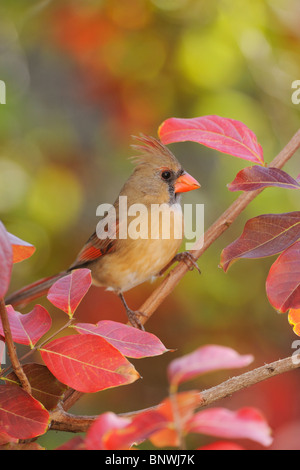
166, 175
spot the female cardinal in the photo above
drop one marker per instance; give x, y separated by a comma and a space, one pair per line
122, 262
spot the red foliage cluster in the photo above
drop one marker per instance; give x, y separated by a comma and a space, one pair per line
177, 414
267, 234
94, 360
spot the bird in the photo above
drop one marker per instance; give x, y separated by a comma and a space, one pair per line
120, 263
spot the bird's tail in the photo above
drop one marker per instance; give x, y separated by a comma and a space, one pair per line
33, 291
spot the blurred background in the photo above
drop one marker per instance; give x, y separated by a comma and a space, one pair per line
81, 79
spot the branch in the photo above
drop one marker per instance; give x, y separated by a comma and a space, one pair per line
12, 350
248, 379
63, 421
212, 234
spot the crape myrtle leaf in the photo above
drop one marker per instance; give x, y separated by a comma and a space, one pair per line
5, 439
99, 431
265, 235
142, 426
258, 177
67, 293
283, 281
294, 319
76, 443
6, 261
22, 446
21, 415
185, 403
28, 328
221, 445
21, 249
44, 386
87, 363
222, 134
205, 359
246, 423
128, 340
110, 432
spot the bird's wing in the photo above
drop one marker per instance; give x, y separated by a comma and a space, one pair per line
99, 244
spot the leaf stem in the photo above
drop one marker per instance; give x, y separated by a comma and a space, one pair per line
177, 418
12, 350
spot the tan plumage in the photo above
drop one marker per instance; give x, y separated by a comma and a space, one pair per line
122, 263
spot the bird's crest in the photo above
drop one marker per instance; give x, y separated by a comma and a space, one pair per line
152, 151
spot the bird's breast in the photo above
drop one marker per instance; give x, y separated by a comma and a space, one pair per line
153, 240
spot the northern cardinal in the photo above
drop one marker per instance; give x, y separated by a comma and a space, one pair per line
118, 263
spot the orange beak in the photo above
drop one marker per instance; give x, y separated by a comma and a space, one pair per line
186, 183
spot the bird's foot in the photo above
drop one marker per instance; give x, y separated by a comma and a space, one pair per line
188, 259
133, 317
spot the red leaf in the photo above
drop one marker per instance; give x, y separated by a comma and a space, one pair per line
294, 319
257, 177
44, 386
101, 428
87, 363
68, 292
22, 446
28, 328
21, 249
5, 438
6, 261
185, 403
265, 235
221, 445
128, 340
21, 416
205, 359
110, 432
246, 423
222, 134
76, 443
283, 281
142, 426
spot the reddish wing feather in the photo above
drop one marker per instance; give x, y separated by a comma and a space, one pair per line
90, 253
94, 248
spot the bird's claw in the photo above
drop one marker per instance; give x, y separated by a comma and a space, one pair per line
133, 317
188, 259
